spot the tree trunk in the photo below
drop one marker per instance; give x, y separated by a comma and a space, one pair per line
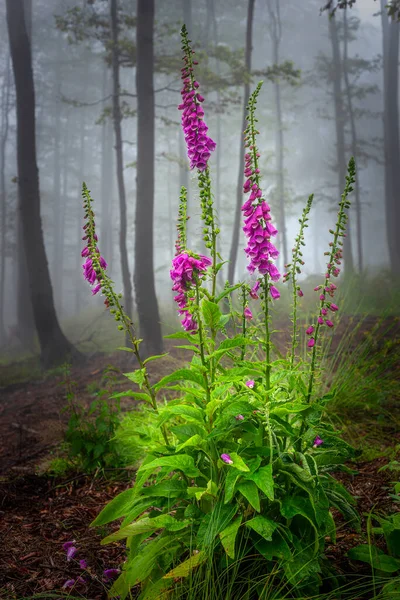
353, 140
55, 348
56, 267
340, 136
239, 188
5, 107
146, 299
126, 279
276, 34
390, 31
106, 178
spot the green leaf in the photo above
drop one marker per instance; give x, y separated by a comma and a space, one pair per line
228, 536
137, 376
211, 313
131, 394
184, 432
125, 349
228, 291
182, 410
374, 557
142, 526
196, 441
140, 568
185, 568
250, 492
230, 481
288, 408
118, 507
183, 335
238, 463
171, 488
155, 357
263, 526
181, 375
264, 480
215, 522
181, 462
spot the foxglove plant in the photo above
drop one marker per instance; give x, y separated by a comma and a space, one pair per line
245, 465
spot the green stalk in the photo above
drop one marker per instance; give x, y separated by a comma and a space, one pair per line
267, 336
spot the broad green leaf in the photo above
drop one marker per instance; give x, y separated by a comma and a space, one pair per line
263, 526
118, 507
230, 481
147, 557
196, 441
211, 313
131, 394
250, 492
138, 508
215, 522
228, 536
374, 557
142, 526
137, 376
288, 408
238, 462
185, 568
171, 488
183, 335
297, 505
181, 375
331, 528
155, 357
125, 349
278, 547
184, 432
228, 291
191, 413
264, 480
181, 462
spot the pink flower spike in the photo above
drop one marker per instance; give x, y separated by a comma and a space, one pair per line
250, 383
318, 442
311, 342
248, 314
310, 330
227, 459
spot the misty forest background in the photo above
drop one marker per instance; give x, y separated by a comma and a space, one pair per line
107, 87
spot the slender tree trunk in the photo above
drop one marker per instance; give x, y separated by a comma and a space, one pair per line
56, 269
340, 136
5, 107
55, 348
146, 298
239, 188
25, 319
390, 30
353, 140
117, 117
63, 211
106, 178
276, 35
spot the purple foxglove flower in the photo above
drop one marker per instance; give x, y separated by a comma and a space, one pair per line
275, 293
310, 330
239, 417
69, 583
71, 552
333, 307
67, 545
311, 342
254, 290
318, 442
227, 459
320, 320
329, 322
322, 297
324, 311
96, 289
185, 268
300, 293
250, 383
248, 314
83, 564
110, 574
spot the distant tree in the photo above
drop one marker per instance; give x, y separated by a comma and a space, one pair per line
239, 185
4, 130
55, 348
146, 299
392, 6
117, 118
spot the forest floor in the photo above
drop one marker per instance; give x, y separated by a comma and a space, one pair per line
38, 513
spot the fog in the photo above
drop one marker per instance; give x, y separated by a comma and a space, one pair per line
75, 135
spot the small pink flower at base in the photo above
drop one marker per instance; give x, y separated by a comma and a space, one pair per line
310, 330
83, 564
248, 314
110, 574
254, 290
250, 383
67, 545
329, 323
318, 442
227, 459
239, 418
333, 307
275, 293
311, 342
71, 553
300, 293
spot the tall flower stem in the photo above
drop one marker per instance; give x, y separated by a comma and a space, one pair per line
201, 338
243, 322
336, 243
267, 334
